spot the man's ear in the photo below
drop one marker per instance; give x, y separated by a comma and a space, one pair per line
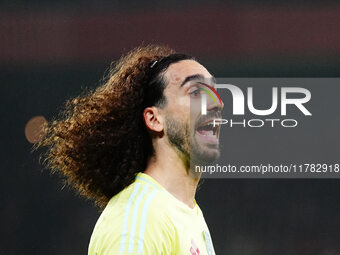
153, 119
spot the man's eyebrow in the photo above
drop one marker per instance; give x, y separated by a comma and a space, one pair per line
196, 77
192, 77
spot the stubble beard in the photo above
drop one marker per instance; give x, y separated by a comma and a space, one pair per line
184, 143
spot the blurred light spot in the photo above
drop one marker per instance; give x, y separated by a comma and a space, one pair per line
33, 129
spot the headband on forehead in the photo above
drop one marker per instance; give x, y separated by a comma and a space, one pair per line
153, 64
163, 62
153, 83
157, 61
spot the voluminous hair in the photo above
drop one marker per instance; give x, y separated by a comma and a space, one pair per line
99, 142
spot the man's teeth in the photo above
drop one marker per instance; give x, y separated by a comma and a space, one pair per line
210, 124
207, 129
207, 132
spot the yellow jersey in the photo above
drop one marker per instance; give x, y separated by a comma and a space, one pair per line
145, 218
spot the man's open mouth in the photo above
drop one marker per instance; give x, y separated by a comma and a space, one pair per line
207, 132
208, 129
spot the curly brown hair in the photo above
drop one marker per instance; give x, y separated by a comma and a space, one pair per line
99, 142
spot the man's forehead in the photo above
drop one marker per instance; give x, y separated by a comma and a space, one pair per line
178, 72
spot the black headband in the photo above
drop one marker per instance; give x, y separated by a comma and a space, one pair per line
154, 85
162, 63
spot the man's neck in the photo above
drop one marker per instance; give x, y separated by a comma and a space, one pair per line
168, 169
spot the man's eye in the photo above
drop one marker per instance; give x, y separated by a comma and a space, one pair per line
195, 92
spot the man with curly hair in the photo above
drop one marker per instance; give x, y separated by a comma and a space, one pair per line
128, 145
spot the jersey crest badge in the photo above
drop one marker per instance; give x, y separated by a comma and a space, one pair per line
194, 249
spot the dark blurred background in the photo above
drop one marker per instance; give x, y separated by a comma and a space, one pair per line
52, 50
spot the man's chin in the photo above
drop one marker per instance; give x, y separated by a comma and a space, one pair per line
204, 149
204, 155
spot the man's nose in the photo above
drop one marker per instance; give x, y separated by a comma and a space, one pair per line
214, 104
